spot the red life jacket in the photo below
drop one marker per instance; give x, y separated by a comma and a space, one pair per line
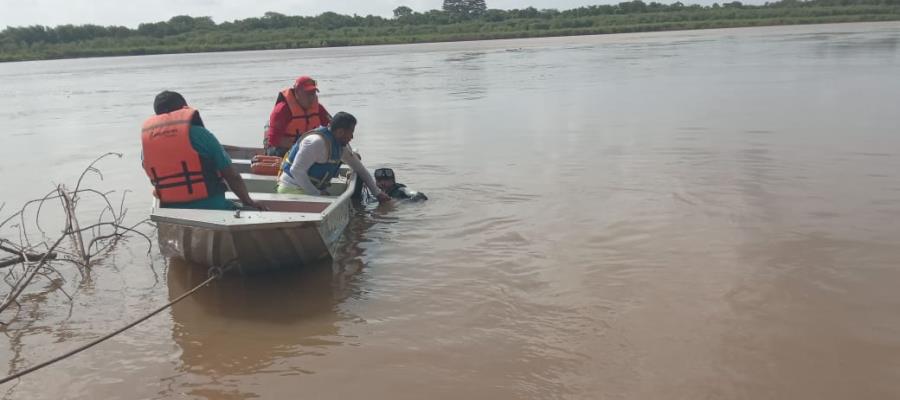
171, 163
302, 120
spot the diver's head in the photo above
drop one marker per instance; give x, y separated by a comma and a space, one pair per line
384, 178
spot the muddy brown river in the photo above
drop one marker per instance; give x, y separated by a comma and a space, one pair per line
682, 215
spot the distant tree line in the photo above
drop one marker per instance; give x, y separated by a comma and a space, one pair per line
457, 20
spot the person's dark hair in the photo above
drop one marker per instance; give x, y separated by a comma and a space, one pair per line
342, 120
167, 102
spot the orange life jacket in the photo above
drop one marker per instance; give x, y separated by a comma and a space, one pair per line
302, 120
173, 166
265, 165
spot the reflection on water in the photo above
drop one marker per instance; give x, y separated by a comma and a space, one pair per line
275, 316
263, 324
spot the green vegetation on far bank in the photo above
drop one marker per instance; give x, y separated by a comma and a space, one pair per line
277, 31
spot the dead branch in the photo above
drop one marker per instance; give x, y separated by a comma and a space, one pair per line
11, 261
21, 211
122, 209
130, 229
26, 279
21, 251
36, 259
91, 168
72, 227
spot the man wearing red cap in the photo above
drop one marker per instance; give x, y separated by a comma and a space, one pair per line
297, 111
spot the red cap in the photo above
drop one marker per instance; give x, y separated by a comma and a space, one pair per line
306, 84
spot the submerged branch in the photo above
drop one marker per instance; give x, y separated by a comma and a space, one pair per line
11, 261
23, 282
29, 260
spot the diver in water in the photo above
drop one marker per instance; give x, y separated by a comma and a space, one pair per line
384, 178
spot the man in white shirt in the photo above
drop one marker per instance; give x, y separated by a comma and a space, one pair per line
317, 157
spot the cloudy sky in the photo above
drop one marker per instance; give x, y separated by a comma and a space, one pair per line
132, 13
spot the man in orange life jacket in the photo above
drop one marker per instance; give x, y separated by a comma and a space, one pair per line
184, 161
297, 111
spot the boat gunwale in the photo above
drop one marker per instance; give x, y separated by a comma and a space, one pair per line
225, 227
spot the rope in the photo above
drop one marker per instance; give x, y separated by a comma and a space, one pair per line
214, 273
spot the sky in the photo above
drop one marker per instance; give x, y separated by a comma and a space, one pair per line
132, 13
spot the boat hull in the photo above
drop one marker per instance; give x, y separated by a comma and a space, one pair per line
258, 249
295, 230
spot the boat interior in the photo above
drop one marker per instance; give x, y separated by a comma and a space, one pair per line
263, 187
287, 208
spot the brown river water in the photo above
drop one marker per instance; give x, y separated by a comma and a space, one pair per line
683, 215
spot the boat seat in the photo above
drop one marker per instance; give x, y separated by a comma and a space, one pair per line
289, 202
260, 183
240, 165
267, 183
248, 175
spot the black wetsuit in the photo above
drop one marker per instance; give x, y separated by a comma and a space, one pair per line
401, 192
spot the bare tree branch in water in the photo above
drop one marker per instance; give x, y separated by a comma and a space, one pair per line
30, 272
75, 245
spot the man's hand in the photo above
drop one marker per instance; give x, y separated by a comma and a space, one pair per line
236, 184
251, 203
382, 197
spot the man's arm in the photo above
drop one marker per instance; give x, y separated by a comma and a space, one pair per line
312, 150
207, 145
236, 183
278, 122
349, 158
